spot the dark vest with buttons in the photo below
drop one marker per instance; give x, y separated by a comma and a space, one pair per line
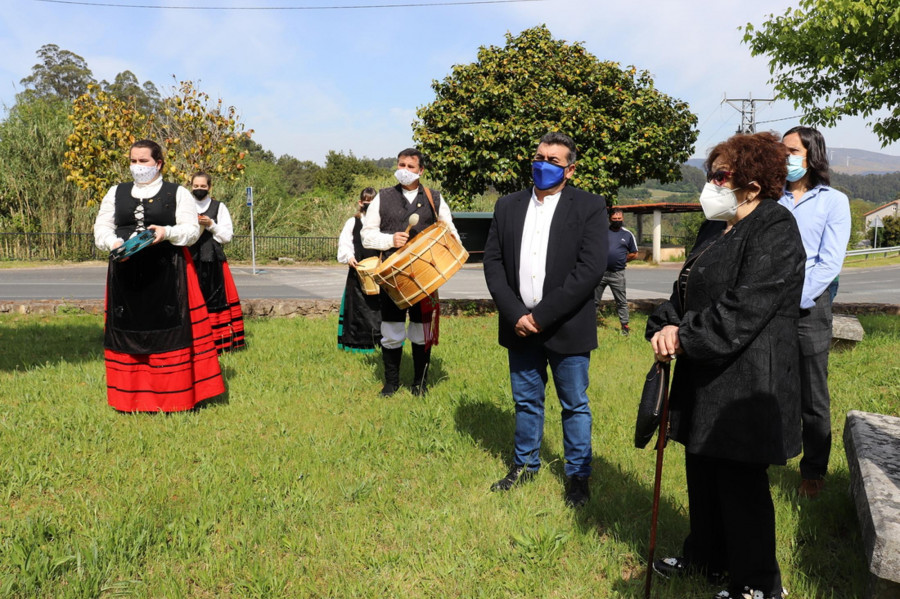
158, 210
207, 249
395, 211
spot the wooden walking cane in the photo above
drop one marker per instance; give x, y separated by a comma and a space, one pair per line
660, 446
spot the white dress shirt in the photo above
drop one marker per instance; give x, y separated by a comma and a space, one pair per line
223, 229
185, 231
371, 234
346, 250
533, 253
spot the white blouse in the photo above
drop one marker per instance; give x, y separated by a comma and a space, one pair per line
185, 231
346, 250
223, 230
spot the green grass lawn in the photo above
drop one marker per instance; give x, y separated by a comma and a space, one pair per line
303, 482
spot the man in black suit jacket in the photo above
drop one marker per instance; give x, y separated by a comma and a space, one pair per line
544, 255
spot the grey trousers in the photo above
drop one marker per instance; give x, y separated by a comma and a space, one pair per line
616, 283
815, 400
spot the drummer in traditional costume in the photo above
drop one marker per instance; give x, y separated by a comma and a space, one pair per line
386, 227
158, 343
359, 322
216, 282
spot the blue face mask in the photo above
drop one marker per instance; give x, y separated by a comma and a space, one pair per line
546, 175
795, 168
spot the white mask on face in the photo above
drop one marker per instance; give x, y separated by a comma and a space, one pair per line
143, 174
406, 177
719, 203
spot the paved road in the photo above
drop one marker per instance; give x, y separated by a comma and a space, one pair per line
86, 281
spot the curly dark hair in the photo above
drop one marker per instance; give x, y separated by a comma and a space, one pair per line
755, 157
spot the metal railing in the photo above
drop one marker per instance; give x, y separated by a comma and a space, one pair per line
48, 246
871, 251
80, 246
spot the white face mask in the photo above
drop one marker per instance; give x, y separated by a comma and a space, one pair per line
719, 203
406, 177
143, 173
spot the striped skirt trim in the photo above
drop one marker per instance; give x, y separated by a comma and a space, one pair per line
168, 381
228, 324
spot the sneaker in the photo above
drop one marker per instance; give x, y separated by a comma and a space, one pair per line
749, 593
517, 475
625, 330
577, 491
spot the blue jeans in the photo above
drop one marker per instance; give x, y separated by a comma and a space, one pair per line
528, 378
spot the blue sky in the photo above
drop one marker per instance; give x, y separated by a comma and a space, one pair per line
310, 81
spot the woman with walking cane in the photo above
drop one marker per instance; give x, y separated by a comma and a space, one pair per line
731, 322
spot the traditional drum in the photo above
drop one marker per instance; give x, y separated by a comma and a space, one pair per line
365, 269
421, 266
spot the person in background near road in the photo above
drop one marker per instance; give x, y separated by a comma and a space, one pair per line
360, 317
544, 255
622, 249
216, 282
823, 215
159, 351
384, 229
731, 321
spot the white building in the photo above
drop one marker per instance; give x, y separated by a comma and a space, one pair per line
889, 209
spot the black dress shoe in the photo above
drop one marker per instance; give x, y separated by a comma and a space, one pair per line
389, 390
577, 491
516, 476
675, 567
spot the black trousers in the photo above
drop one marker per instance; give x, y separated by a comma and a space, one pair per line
815, 400
732, 522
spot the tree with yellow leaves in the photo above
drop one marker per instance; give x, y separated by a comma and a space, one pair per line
196, 135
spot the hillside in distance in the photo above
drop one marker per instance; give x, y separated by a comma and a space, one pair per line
849, 161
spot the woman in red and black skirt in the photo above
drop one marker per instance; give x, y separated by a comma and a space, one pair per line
215, 278
159, 349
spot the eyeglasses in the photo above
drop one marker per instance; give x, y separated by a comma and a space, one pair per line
719, 177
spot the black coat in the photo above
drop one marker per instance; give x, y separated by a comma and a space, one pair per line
736, 389
576, 260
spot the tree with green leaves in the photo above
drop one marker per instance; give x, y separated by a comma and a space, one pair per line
888, 234
300, 175
341, 171
61, 74
34, 193
835, 58
482, 128
127, 88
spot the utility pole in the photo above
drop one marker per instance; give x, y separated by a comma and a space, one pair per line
748, 112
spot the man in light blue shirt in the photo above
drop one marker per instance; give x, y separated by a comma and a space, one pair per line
823, 216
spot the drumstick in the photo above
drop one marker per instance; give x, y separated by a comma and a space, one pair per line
413, 221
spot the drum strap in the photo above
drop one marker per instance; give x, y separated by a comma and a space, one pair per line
431, 201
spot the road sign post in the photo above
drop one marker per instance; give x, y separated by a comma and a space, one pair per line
876, 222
252, 233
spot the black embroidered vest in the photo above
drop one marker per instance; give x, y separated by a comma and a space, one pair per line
134, 215
395, 210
